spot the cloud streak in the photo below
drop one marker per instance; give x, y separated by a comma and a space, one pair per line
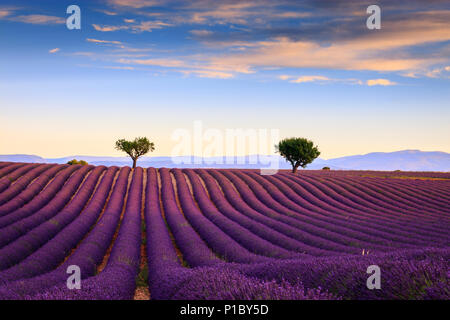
5, 13
136, 4
304, 79
380, 82
39, 19
209, 74
144, 26
320, 79
201, 33
103, 41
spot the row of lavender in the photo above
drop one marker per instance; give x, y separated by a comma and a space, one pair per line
225, 223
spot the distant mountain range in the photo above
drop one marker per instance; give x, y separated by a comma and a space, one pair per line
407, 160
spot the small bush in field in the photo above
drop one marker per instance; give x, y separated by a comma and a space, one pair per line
75, 161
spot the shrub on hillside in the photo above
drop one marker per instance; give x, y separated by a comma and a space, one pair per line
75, 161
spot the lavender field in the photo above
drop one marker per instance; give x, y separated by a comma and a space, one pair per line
221, 233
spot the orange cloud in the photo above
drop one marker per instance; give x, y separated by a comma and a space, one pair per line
54, 50
348, 55
109, 13
383, 50
243, 12
380, 82
191, 67
109, 28
103, 41
286, 53
149, 26
285, 77
5, 13
310, 79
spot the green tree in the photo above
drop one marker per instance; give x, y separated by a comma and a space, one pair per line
136, 148
298, 151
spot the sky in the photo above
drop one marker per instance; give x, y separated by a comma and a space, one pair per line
150, 67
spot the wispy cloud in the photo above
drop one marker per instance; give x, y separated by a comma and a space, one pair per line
38, 19
108, 28
380, 82
148, 26
134, 3
5, 13
363, 53
107, 12
201, 32
248, 13
84, 54
145, 26
161, 62
103, 41
284, 77
291, 15
440, 72
189, 65
226, 12
319, 79
346, 47
54, 50
215, 12
258, 35
304, 79
127, 50
118, 68
209, 74
324, 80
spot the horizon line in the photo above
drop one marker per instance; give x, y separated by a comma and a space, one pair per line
223, 156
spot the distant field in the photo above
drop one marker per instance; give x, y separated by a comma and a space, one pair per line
222, 233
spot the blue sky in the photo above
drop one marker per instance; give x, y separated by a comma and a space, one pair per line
149, 67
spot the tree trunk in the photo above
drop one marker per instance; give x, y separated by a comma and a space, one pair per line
294, 169
134, 163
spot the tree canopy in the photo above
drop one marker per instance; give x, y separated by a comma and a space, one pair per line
298, 151
136, 148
